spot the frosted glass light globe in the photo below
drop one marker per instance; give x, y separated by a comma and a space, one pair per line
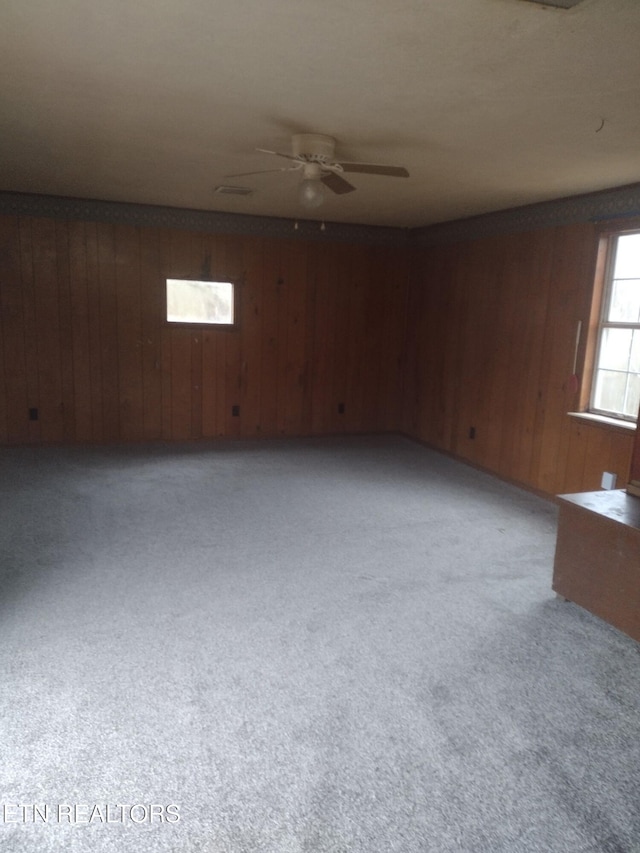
311, 193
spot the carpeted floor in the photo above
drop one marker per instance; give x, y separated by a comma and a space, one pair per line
301, 646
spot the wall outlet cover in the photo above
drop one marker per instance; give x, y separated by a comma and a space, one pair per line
608, 480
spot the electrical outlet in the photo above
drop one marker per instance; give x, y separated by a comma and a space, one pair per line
608, 480
472, 432
235, 411
341, 408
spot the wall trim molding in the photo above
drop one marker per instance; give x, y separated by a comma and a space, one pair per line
617, 203
155, 216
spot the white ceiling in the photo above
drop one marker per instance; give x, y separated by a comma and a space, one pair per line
489, 103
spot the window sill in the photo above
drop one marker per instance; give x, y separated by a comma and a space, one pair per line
603, 420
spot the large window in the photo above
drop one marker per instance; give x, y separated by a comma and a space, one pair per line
205, 302
616, 378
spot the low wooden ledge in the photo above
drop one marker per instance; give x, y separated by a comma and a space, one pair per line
597, 561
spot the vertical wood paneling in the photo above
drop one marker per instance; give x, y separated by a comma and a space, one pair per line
533, 311
323, 340
127, 267
597, 458
30, 334
484, 337
493, 349
271, 277
211, 423
166, 420
199, 265
310, 344
232, 252
65, 332
214, 354
295, 354
152, 296
634, 472
85, 339
80, 331
95, 332
452, 341
251, 295
511, 451
109, 350
4, 434
423, 397
622, 446
178, 263
354, 367
393, 265
14, 379
372, 342
576, 458
594, 449
283, 291
48, 308
209, 386
180, 372
341, 282
572, 246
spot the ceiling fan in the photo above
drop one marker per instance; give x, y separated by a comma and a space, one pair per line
313, 154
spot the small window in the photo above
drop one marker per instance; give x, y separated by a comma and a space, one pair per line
203, 302
616, 379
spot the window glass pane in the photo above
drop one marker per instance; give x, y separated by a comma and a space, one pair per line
199, 301
625, 301
615, 349
627, 263
634, 363
633, 396
610, 390
616, 378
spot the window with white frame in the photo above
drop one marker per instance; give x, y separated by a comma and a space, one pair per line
202, 302
616, 376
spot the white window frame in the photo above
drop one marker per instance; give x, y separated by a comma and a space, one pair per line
605, 323
176, 320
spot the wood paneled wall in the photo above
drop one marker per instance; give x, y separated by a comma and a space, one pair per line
491, 349
432, 342
84, 338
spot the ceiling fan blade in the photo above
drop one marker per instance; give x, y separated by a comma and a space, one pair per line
337, 183
261, 172
278, 154
373, 169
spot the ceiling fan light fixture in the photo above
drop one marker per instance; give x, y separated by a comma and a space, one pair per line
311, 193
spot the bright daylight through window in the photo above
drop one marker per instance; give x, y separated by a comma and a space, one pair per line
208, 302
616, 381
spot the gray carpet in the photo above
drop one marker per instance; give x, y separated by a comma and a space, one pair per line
313, 646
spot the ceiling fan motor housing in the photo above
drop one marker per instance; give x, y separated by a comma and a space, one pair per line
314, 147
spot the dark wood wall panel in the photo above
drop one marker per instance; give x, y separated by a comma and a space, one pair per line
78, 298
109, 351
152, 323
634, 473
17, 382
56, 417
490, 348
84, 341
434, 342
30, 336
94, 352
